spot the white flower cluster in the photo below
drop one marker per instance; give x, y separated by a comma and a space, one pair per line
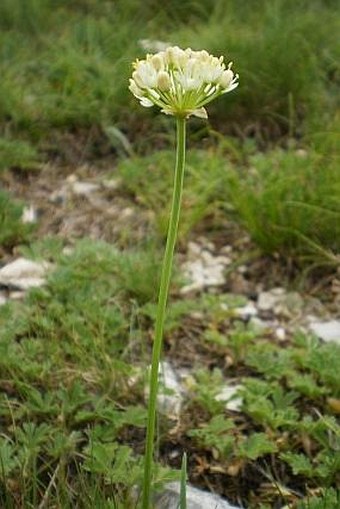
181, 82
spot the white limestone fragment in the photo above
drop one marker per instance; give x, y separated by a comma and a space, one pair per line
170, 393
229, 394
268, 300
29, 215
247, 311
196, 499
84, 188
327, 331
24, 274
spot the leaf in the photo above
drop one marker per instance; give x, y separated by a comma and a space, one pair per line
255, 446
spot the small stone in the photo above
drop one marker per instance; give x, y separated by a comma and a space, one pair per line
224, 260
197, 315
196, 499
59, 196
170, 394
203, 273
242, 269
23, 274
229, 395
3, 299
239, 284
247, 311
112, 184
194, 248
327, 331
226, 250
280, 333
127, 212
29, 215
17, 295
259, 325
268, 300
84, 188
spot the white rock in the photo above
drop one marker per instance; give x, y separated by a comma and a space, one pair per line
268, 300
112, 184
59, 196
18, 295
226, 250
203, 273
280, 333
84, 188
207, 257
3, 299
29, 215
259, 325
24, 274
223, 259
242, 269
247, 311
196, 499
327, 331
170, 394
194, 248
229, 395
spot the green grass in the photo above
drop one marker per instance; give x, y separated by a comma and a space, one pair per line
67, 67
287, 200
289, 203
12, 230
148, 180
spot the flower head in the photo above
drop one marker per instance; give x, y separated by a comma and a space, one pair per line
181, 82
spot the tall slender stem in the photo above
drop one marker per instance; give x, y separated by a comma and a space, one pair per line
161, 309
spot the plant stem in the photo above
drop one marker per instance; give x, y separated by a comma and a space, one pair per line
161, 309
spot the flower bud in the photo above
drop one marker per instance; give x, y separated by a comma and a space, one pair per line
157, 62
226, 78
163, 81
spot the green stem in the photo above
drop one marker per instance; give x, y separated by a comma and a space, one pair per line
161, 309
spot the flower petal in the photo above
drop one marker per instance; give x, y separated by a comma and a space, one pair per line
200, 113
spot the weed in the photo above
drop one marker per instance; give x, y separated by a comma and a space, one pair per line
12, 229
206, 178
17, 154
289, 203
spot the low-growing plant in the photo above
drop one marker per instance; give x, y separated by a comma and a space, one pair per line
289, 203
17, 154
12, 229
330, 499
206, 177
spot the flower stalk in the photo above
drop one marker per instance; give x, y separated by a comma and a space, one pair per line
161, 308
181, 83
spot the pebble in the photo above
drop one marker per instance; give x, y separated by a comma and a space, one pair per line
23, 274
268, 300
29, 215
170, 393
280, 302
204, 270
327, 331
280, 333
84, 188
196, 498
229, 395
246, 312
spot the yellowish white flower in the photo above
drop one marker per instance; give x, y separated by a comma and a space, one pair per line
181, 82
